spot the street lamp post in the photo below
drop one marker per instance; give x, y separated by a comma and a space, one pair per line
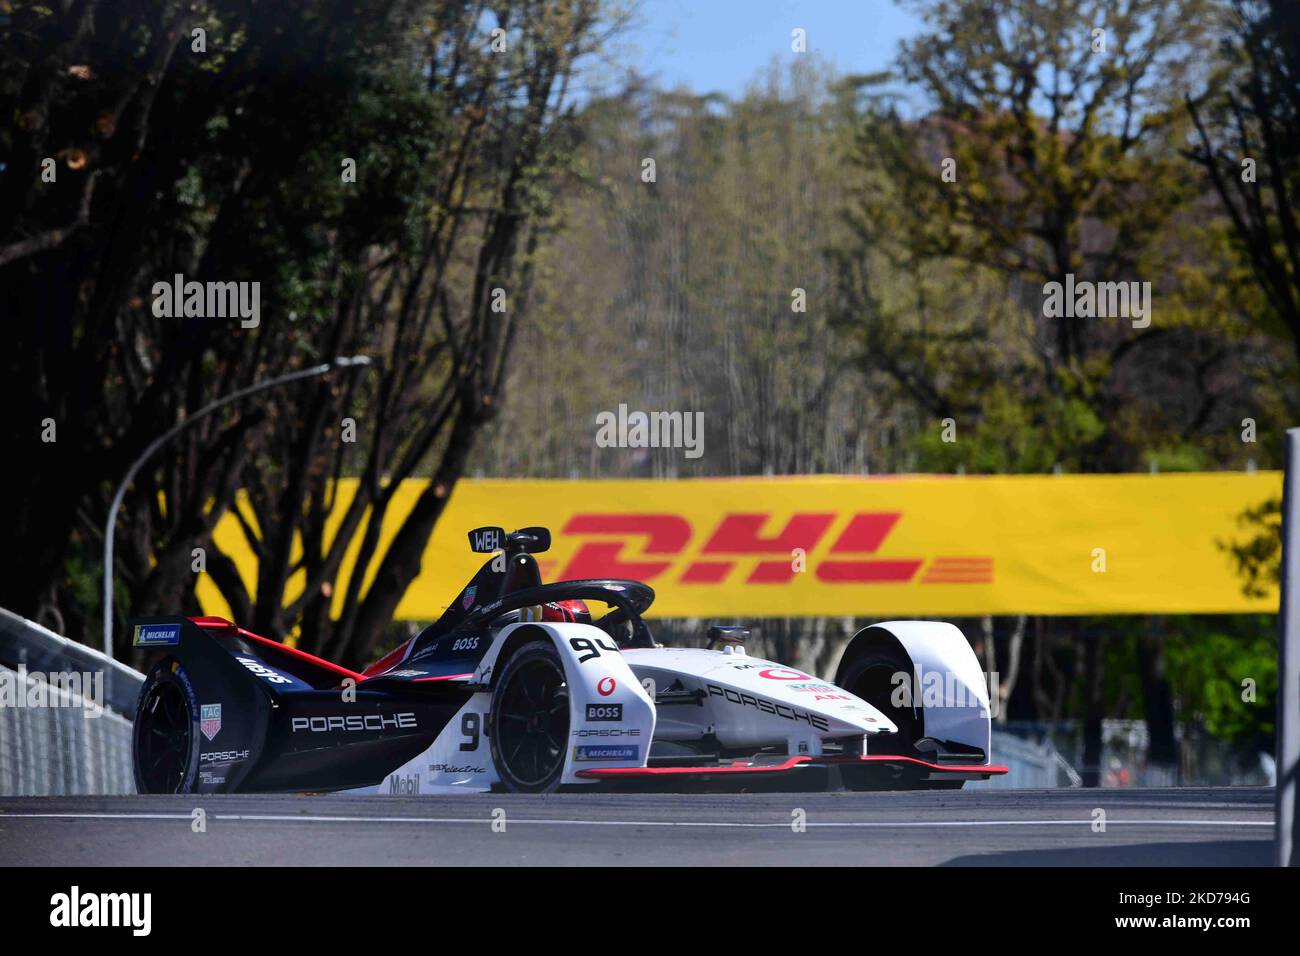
346, 361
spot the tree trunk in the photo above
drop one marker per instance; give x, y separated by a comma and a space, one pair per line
1157, 698
1006, 683
1093, 689
401, 564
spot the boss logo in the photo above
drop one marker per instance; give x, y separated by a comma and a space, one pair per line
268, 675
610, 712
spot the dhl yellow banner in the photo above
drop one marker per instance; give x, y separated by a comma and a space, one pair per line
877, 547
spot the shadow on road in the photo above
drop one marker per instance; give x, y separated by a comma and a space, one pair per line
1214, 853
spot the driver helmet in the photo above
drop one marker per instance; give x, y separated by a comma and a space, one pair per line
562, 612
573, 612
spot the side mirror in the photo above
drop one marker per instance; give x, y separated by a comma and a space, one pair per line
532, 540
727, 634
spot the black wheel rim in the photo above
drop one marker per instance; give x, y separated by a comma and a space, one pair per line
533, 723
163, 739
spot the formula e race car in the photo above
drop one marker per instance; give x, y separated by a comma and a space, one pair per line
517, 687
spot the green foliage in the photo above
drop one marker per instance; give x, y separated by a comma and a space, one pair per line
1249, 113
1012, 435
83, 582
226, 166
1209, 659
1064, 161
683, 288
1185, 457
1258, 553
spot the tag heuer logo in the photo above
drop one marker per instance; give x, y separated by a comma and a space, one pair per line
210, 720
468, 599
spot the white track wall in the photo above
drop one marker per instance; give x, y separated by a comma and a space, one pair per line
60, 750
58, 747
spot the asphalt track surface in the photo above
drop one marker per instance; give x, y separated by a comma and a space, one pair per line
1187, 827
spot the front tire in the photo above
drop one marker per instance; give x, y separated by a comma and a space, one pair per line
529, 720
873, 676
165, 736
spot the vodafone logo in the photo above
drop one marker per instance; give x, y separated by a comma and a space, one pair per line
605, 686
783, 673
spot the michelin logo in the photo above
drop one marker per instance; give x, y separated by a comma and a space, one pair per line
607, 752
156, 635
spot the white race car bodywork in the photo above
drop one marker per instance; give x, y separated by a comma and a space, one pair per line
624, 704
947, 681
750, 702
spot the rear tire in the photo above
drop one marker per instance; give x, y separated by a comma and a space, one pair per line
529, 720
165, 737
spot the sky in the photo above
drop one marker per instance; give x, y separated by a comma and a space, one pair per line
719, 46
